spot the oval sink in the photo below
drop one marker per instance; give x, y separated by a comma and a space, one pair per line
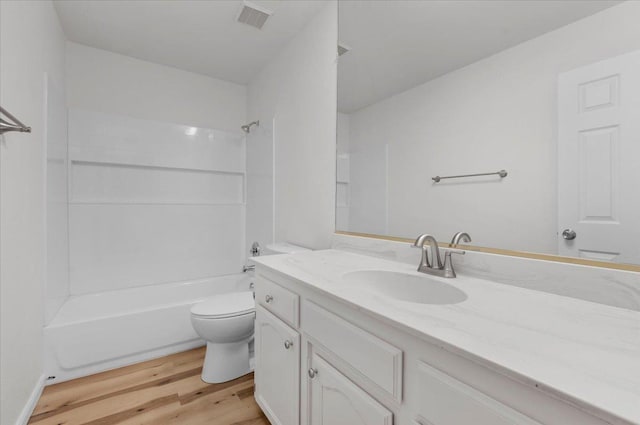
404, 287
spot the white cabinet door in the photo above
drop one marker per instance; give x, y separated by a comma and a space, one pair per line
598, 151
277, 372
335, 400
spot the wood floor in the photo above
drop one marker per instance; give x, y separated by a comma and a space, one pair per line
162, 391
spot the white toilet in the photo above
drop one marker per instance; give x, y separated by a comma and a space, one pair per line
226, 322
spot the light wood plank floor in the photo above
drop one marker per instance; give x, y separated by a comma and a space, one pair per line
162, 391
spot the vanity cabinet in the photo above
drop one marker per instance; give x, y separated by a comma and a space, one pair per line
335, 400
320, 361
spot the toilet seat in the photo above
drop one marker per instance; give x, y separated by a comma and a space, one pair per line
225, 305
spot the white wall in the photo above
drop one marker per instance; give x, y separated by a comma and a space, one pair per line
31, 43
496, 113
297, 92
57, 275
108, 82
342, 138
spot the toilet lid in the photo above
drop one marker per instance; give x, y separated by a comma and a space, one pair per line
225, 305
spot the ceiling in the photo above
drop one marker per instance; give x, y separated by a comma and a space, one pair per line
399, 44
395, 44
197, 36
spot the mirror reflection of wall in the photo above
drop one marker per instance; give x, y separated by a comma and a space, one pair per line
451, 88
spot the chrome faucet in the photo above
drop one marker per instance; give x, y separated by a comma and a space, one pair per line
455, 240
435, 266
425, 264
255, 252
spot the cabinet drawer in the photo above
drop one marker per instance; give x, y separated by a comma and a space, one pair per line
447, 401
278, 300
375, 359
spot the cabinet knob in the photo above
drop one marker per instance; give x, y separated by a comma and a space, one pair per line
312, 372
288, 344
569, 234
268, 298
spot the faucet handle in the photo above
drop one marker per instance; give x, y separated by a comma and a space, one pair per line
255, 249
449, 251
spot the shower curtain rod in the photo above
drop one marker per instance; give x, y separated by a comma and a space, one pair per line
13, 125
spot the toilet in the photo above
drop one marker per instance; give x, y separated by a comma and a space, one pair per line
226, 322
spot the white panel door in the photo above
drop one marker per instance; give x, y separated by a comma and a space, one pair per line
599, 160
277, 372
335, 400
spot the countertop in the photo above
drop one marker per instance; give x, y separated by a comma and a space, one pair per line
580, 351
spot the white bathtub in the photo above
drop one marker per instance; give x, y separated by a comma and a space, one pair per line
96, 332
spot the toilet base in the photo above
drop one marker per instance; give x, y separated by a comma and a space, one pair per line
225, 362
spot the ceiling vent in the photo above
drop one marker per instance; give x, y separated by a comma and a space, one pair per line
253, 15
342, 49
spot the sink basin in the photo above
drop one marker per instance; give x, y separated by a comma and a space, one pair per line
405, 287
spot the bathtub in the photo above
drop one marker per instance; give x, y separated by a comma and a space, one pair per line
96, 332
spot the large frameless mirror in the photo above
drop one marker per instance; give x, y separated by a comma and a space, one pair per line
516, 122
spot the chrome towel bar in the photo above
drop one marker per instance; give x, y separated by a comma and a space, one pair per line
501, 173
13, 125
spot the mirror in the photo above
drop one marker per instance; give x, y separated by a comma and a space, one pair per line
548, 91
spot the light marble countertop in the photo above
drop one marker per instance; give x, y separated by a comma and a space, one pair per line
580, 351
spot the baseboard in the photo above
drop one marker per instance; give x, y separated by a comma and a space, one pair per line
27, 410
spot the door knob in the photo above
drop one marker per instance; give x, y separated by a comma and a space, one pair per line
569, 234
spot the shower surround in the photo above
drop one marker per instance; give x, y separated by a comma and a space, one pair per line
156, 223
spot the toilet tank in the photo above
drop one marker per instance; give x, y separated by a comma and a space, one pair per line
282, 248
246, 283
